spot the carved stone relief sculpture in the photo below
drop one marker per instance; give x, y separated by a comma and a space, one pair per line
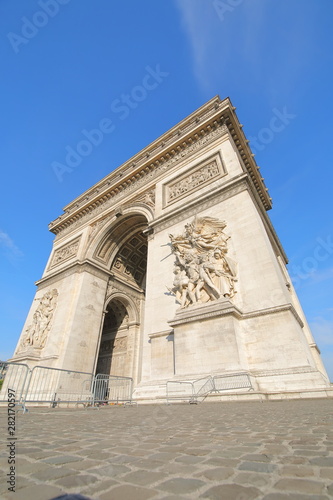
66, 252
203, 271
37, 332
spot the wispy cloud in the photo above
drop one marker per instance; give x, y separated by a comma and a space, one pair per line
7, 244
240, 43
213, 41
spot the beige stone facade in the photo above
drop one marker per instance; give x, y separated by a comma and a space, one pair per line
169, 269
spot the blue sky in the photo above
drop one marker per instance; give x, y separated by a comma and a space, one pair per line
68, 66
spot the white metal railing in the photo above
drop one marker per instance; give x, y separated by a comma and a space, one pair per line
192, 391
111, 388
14, 376
42, 385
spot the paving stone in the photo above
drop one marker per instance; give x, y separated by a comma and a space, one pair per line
326, 473
61, 459
77, 481
181, 485
98, 487
217, 474
147, 464
300, 485
84, 465
163, 456
297, 471
258, 480
231, 492
257, 467
179, 469
189, 459
143, 478
127, 492
197, 452
223, 462
112, 470
275, 449
28, 467
293, 496
322, 461
52, 473
256, 458
38, 492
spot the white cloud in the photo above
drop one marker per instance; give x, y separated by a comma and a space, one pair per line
234, 42
215, 41
9, 246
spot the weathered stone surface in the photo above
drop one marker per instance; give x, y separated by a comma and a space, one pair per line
144, 478
192, 428
62, 459
38, 492
228, 491
125, 492
300, 485
179, 485
257, 467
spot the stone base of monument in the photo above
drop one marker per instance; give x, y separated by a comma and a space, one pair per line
205, 338
218, 340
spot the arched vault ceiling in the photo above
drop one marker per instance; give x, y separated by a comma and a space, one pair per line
131, 260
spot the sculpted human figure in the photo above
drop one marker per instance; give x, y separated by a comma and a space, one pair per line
201, 257
36, 333
180, 284
220, 275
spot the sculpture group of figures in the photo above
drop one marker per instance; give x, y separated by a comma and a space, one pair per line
36, 333
203, 271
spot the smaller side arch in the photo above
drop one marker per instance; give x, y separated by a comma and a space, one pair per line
127, 302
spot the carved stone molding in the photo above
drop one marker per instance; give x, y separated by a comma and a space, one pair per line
65, 252
73, 268
147, 198
199, 312
96, 226
200, 175
199, 205
148, 174
283, 371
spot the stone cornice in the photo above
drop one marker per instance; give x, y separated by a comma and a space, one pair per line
189, 209
74, 268
223, 308
203, 126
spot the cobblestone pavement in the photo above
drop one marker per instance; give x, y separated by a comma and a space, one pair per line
234, 451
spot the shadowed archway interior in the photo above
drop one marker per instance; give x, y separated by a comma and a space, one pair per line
119, 337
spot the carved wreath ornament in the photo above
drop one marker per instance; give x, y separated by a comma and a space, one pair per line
203, 271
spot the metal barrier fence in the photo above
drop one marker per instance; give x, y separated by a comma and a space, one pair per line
13, 376
180, 390
110, 388
192, 391
233, 381
55, 385
44, 385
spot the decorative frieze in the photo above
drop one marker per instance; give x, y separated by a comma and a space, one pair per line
200, 176
65, 252
145, 176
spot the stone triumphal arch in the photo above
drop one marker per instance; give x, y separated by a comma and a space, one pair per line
169, 269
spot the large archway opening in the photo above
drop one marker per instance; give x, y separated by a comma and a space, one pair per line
120, 341
112, 359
